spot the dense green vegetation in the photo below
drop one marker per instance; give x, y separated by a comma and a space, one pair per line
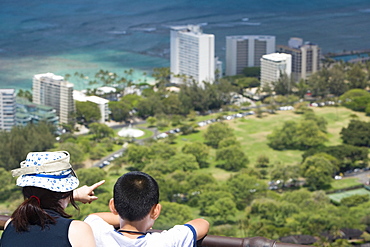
264, 175
194, 182
87, 112
16, 143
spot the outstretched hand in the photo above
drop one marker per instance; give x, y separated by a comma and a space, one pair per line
85, 194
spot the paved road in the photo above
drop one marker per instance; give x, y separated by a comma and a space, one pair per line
363, 176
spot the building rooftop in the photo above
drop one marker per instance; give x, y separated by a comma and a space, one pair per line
80, 96
104, 90
250, 36
276, 57
97, 100
49, 75
192, 29
7, 90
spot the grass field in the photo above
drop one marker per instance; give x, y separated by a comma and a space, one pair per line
345, 183
147, 133
339, 196
252, 132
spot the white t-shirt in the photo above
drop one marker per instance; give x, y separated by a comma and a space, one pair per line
106, 236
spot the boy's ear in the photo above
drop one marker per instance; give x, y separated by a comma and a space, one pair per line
112, 207
156, 211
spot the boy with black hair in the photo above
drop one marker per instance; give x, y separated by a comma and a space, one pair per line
134, 209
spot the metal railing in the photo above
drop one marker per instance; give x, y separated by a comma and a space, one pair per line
3, 219
219, 241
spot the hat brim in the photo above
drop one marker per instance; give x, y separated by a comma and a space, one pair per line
58, 183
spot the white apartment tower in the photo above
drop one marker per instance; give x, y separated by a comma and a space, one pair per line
52, 90
246, 51
305, 57
7, 109
192, 54
273, 66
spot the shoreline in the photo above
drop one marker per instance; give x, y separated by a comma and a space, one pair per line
18, 72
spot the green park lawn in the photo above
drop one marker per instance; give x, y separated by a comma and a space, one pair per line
252, 133
344, 183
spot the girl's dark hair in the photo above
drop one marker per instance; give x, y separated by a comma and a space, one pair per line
31, 211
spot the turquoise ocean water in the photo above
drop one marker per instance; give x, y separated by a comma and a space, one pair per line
84, 36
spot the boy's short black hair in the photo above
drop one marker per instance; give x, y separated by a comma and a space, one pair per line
135, 193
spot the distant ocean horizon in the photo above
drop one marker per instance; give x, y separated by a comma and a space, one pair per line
64, 37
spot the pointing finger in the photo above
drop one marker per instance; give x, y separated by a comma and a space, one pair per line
96, 185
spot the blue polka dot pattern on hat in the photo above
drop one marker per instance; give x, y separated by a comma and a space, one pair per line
61, 181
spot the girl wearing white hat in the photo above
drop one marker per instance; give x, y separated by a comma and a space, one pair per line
49, 184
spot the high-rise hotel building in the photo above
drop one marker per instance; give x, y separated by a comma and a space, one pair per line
273, 66
7, 109
192, 54
305, 57
246, 51
52, 90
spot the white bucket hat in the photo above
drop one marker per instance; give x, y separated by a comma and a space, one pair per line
48, 170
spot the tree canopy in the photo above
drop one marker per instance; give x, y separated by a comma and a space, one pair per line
120, 110
348, 156
305, 134
21, 140
87, 112
217, 132
318, 172
100, 130
200, 152
357, 133
357, 100
231, 158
